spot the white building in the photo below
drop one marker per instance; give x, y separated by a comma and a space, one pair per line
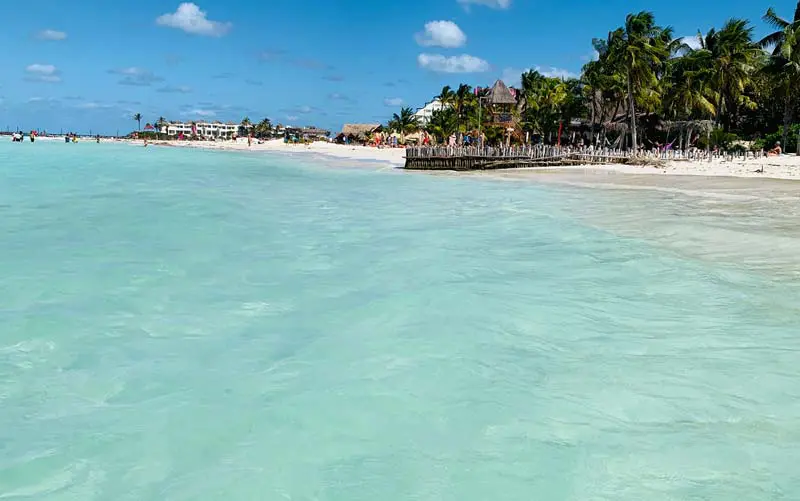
425, 113
216, 129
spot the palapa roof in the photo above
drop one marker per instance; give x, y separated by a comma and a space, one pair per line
499, 94
358, 129
315, 131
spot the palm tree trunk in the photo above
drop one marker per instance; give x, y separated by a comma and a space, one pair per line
787, 119
594, 106
632, 111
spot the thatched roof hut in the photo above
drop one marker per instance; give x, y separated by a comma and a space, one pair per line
500, 94
357, 130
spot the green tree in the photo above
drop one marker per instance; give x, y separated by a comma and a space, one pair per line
687, 86
603, 87
263, 128
638, 50
447, 97
404, 123
463, 96
730, 55
543, 103
442, 124
245, 125
161, 123
784, 63
138, 118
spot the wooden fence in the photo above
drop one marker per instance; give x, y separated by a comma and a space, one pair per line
481, 158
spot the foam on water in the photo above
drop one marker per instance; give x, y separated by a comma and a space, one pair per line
186, 325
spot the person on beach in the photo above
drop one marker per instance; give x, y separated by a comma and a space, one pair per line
776, 151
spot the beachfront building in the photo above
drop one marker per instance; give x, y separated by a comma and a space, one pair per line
499, 105
211, 130
425, 113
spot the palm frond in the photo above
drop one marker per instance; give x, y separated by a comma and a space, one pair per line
772, 19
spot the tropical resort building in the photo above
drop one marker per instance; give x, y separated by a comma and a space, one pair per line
424, 114
215, 130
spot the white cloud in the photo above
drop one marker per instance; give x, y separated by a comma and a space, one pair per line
337, 96
591, 56
50, 101
199, 113
453, 64
445, 34
51, 35
691, 41
42, 73
138, 77
392, 101
513, 76
305, 109
191, 19
42, 69
93, 106
494, 4
552, 72
180, 89
292, 118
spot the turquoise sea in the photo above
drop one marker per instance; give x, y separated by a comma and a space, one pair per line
190, 325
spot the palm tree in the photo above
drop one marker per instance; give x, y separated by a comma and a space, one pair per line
730, 58
783, 65
404, 123
160, 123
245, 125
264, 128
604, 86
462, 97
687, 86
638, 49
447, 97
138, 118
442, 124
543, 103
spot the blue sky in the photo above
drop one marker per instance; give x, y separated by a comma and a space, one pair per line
92, 64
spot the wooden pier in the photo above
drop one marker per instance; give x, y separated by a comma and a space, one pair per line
464, 158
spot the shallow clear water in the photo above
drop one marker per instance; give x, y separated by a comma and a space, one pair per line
181, 325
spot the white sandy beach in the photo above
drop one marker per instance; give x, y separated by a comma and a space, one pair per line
393, 156
783, 167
